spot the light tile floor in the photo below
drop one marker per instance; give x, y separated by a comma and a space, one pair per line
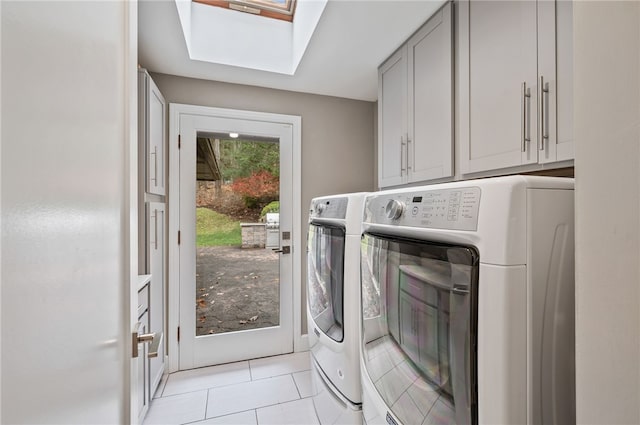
267, 391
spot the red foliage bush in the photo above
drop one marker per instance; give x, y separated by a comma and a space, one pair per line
258, 188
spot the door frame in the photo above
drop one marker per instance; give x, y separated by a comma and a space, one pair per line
176, 110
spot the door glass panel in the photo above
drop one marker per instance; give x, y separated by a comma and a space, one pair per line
325, 278
418, 310
237, 231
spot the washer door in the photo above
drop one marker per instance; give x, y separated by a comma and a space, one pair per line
325, 276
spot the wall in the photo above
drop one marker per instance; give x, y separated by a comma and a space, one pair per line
337, 134
607, 165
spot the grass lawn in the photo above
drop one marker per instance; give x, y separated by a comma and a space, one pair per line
214, 229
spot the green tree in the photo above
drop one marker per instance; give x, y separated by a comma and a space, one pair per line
243, 158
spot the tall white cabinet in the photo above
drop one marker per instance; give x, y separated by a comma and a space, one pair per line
515, 82
415, 106
152, 220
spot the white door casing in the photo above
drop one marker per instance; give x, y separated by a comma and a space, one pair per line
186, 121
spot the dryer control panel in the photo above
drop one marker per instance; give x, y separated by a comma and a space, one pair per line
454, 209
329, 208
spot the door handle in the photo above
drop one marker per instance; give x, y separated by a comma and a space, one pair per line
155, 338
284, 250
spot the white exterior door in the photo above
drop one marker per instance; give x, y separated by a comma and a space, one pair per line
197, 349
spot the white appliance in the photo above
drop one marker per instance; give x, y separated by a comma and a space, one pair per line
333, 306
468, 303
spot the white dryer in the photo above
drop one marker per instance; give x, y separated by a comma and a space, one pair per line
333, 306
468, 303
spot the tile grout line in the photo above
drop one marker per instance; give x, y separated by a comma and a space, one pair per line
206, 405
232, 384
184, 393
296, 384
164, 387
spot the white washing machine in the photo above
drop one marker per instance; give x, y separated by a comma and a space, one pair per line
468, 303
333, 306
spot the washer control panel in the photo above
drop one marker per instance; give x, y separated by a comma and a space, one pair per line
455, 209
329, 208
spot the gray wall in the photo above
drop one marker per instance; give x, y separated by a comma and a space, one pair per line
607, 166
337, 134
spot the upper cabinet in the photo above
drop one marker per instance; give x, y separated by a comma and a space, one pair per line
515, 76
392, 120
152, 128
415, 107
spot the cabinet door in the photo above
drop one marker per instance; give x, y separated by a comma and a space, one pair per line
392, 120
154, 107
498, 84
156, 267
430, 88
555, 67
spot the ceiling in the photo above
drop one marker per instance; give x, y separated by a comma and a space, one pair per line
351, 40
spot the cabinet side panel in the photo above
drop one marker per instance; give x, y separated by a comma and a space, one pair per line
564, 80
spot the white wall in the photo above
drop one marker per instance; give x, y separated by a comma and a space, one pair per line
337, 135
607, 166
65, 242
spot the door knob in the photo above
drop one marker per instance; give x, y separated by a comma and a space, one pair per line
155, 338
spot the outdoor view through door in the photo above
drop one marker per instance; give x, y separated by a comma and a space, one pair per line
237, 234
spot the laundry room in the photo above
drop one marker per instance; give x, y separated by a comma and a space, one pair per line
320, 212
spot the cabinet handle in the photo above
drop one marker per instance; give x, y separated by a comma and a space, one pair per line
402, 145
155, 232
155, 165
408, 166
526, 94
544, 131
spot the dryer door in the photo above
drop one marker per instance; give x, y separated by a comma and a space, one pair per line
325, 275
419, 315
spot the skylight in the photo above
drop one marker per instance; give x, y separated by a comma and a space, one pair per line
223, 36
277, 9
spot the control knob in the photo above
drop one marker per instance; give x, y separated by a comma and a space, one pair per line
319, 208
394, 209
